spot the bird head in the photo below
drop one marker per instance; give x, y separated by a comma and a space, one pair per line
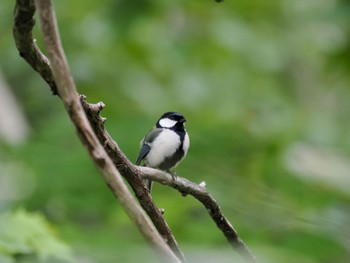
171, 120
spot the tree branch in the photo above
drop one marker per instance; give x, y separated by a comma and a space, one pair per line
186, 187
28, 49
67, 91
25, 43
134, 174
128, 171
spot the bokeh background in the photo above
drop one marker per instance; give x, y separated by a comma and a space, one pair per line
265, 86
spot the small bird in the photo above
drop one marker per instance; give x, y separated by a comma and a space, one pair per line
165, 146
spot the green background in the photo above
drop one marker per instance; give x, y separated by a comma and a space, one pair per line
265, 87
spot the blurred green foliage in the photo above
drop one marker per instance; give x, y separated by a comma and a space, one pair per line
265, 87
25, 237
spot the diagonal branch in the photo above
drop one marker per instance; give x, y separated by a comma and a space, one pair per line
131, 171
126, 168
67, 91
23, 25
134, 174
186, 187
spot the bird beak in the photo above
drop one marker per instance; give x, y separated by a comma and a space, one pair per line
182, 120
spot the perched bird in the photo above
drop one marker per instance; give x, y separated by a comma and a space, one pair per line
165, 145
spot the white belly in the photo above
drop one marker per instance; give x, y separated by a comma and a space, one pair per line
163, 146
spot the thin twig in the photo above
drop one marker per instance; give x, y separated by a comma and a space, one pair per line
67, 91
186, 187
25, 43
134, 179
129, 170
28, 49
134, 174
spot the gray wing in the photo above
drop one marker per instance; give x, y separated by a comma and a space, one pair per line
146, 144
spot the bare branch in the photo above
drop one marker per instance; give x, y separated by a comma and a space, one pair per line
28, 49
67, 91
128, 171
26, 45
186, 187
134, 174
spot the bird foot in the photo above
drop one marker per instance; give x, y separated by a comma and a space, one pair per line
173, 175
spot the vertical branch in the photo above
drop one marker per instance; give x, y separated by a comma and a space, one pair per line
67, 91
25, 43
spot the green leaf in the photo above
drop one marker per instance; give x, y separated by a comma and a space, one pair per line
27, 233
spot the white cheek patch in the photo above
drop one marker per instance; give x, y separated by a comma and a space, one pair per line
167, 123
